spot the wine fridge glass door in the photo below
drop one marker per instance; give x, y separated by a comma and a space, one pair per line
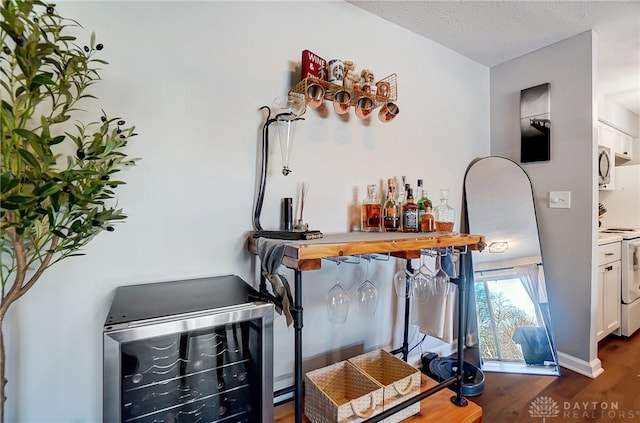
212, 374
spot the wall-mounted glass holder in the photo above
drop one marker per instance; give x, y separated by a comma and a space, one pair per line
306, 85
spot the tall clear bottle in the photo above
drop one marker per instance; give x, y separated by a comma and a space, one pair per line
371, 211
402, 195
391, 209
444, 214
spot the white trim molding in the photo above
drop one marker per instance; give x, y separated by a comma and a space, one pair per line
591, 369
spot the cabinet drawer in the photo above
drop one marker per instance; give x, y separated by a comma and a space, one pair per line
608, 253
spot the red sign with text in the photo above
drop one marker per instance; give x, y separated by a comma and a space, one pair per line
313, 66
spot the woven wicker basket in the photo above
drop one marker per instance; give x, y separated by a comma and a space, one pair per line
400, 381
340, 393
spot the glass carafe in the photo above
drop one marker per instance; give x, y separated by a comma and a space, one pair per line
444, 214
371, 210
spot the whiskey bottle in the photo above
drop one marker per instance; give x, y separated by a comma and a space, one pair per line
444, 214
427, 222
391, 210
371, 210
409, 214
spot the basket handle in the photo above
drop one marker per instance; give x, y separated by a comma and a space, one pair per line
404, 391
366, 413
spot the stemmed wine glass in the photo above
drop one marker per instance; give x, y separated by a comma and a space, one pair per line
440, 277
402, 280
337, 300
423, 284
367, 295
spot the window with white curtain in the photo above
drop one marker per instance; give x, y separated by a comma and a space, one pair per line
512, 332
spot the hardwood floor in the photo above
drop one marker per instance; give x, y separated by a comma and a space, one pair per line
612, 397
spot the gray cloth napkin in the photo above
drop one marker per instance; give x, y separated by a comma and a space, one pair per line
271, 252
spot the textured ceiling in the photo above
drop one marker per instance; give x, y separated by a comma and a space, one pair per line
493, 32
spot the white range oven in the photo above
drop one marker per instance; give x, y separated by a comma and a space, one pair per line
630, 288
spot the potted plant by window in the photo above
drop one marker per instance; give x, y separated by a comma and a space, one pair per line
58, 173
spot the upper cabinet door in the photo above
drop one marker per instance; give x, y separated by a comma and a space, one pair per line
619, 142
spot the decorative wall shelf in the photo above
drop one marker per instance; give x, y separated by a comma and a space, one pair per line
330, 90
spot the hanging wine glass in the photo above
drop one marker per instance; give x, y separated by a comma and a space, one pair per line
337, 301
440, 277
400, 281
422, 287
368, 295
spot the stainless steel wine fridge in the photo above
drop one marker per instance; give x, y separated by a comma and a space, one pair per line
191, 351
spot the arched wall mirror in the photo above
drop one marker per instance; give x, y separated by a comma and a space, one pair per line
514, 328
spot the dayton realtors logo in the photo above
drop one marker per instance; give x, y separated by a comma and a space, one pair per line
546, 407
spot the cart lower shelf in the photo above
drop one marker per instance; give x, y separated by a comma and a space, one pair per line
435, 408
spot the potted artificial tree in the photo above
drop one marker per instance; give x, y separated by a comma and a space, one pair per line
57, 171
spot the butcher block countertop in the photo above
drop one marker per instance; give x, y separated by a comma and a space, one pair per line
307, 255
435, 408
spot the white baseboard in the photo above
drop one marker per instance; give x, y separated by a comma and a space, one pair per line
591, 369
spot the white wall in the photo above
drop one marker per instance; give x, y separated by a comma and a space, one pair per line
191, 77
566, 235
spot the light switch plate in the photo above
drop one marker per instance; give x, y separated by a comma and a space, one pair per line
560, 199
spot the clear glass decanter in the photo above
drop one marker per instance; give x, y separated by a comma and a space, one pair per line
444, 214
371, 211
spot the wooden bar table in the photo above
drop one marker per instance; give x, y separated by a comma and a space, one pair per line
307, 255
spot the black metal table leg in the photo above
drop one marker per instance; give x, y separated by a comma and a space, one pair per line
407, 311
458, 399
297, 321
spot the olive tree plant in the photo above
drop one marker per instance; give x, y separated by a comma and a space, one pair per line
57, 182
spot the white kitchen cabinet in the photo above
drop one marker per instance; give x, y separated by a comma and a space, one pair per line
609, 297
620, 143
624, 146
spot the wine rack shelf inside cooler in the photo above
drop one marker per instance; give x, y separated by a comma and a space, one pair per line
190, 377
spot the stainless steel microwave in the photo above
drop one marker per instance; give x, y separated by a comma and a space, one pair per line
605, 165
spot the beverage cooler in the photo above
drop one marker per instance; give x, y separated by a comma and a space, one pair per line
192, 351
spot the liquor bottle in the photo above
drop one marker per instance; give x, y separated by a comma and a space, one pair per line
427, 222
371, 210
423, 202
402, 195
409, 214
444, 213
391, 210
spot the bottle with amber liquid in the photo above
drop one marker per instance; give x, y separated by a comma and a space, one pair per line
427, 221
391, 209
444, 214
371, 211
409, 213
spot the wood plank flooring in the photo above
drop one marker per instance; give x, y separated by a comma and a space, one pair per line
612, 397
